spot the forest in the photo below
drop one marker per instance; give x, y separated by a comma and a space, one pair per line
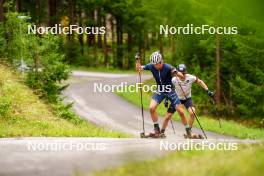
231, 64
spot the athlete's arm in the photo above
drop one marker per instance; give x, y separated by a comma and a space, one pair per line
140, 67
179, 74
203, 85
175, 72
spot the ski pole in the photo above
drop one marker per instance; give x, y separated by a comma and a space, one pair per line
172, 126
137, 56
193, 112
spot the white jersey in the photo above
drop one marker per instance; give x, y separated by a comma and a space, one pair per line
186, 85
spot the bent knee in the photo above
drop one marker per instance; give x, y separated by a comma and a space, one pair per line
152, 108
180, 111
168, 117
191, 111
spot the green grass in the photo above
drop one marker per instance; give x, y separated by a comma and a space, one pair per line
247, 160
229, 127
22, 127
22, 113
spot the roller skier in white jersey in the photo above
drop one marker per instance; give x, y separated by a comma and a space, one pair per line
183, 87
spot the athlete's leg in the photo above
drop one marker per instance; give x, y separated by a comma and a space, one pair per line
189, 106
155, 101
152, 108
191, 112
184, 121
181, 114
168, 116
165, 121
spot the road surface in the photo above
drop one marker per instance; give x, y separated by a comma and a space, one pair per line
108, 110
74, 156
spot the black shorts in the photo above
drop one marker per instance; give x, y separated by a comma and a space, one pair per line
187, 103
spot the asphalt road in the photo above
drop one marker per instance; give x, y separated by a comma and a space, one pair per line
74, 156
108, 110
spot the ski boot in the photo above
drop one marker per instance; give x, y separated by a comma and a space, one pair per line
190, 135
162, 135
155, 134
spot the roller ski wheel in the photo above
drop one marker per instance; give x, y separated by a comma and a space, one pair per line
153, 135
162, 135
193, 136
143, 135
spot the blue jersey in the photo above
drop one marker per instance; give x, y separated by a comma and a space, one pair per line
163, 76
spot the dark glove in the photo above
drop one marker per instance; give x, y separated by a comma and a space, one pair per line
166, 103
210, 93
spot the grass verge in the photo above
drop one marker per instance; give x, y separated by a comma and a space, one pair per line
22, 113
247, 160
229, 127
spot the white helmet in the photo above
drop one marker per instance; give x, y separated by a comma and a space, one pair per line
155, 57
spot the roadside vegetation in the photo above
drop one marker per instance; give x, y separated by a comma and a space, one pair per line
24, 114
209, 122
230, 64
247, 160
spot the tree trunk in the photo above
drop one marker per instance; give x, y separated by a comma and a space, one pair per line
140, 47
143, 53
144, 48
106, 63
113, 39
160, 43
129, 49
80, 36
37, 11
52, 12
90, 37
147, 41
2, 10
72, 7
96, 61
18, 5
218, 77
119, 51
99, 23
173, 48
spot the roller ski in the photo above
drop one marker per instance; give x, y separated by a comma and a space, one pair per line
190, 135
193, 136
155, 134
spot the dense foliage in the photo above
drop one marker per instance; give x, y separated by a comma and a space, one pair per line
133, 25
39, 57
